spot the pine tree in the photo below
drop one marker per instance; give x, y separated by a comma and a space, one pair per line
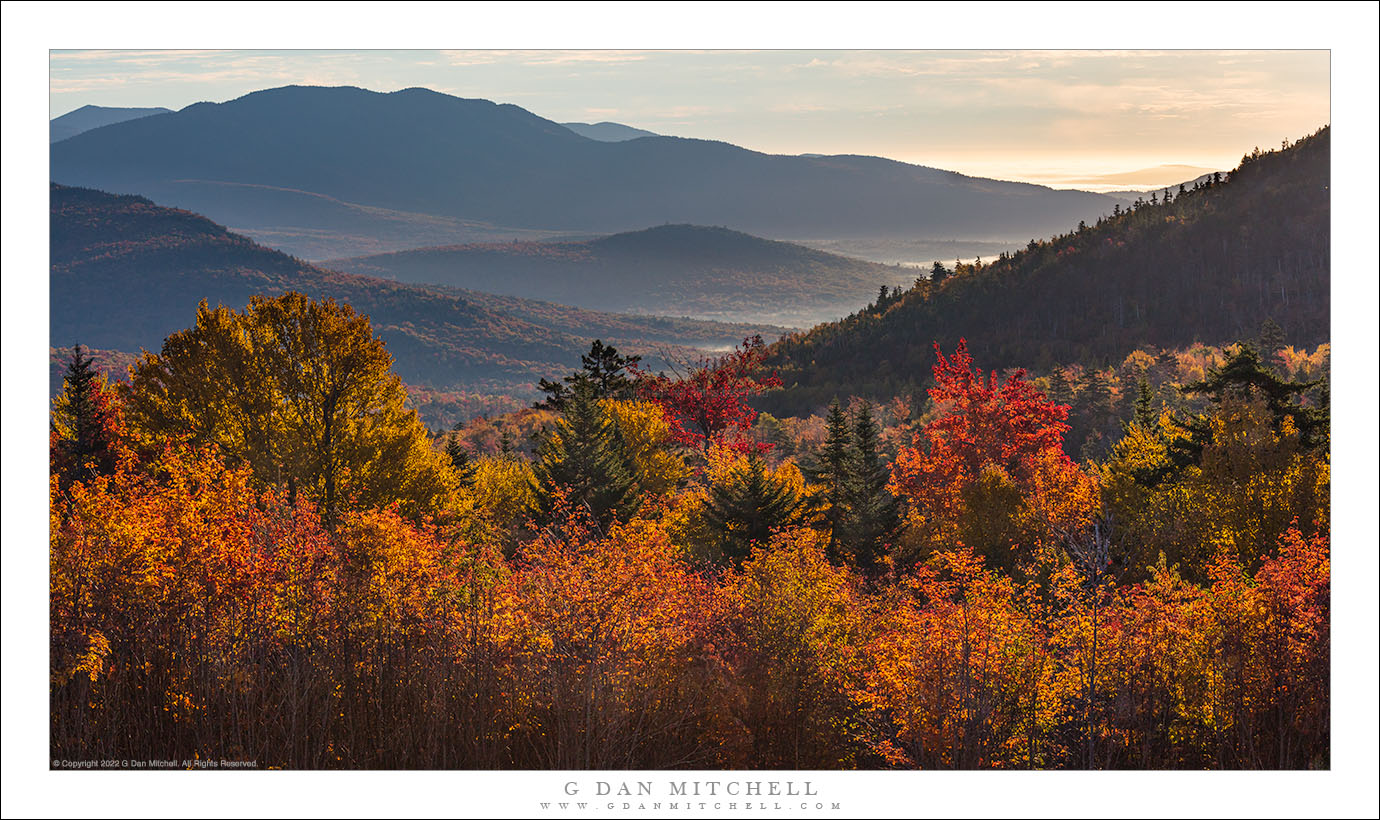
584, 459
86, 426
1060, 391
1271, 339
460, 459
831, 468
1096, 418
1244, 375
883, 299
875, 514
603, 369
747, 508
1145, 405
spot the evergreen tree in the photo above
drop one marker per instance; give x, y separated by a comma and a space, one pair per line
1060, 391
831, 468
1096, 420
938, 273
585, 459
85, 425
1243, 375
883, 299
1145, 405
875, 514
1271, 339
603, 369
460, 459
747, 508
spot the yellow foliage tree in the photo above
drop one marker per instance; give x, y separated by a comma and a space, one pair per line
302, 392
659, 468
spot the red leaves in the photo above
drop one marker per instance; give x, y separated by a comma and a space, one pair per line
989, 422
709, 404
994, 455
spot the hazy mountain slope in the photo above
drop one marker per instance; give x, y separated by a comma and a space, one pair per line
1210, 266
94, 116
125, 273
677, 270
608, 131
421, 152
1145, 193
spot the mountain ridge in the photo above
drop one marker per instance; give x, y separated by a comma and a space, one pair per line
692, 270
126, 272
88, 117
608, 131
420, 151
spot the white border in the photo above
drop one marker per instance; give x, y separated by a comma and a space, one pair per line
1349, 30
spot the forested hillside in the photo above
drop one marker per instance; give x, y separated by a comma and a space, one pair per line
289, 568
1208, 263
125, 273
677, 270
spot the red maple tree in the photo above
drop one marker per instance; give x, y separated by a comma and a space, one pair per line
708, 404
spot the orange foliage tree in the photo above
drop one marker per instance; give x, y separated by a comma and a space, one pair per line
990, 472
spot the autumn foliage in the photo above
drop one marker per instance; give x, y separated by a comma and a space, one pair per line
708, 405
198, 609
991, 472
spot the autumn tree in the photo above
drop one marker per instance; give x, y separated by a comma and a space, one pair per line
86, 432
1234, 476
657, 463
301, 391
708, 405
797, 623
990, 472
1244, 377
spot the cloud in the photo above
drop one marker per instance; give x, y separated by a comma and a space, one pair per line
541, 57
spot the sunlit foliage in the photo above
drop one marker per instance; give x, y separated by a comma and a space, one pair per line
1033, 613
302, 392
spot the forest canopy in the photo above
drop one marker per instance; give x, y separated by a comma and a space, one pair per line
256, 550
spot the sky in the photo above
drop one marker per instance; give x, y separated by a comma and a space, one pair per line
1097, 120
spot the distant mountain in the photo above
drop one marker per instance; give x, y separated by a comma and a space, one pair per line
678, 270
608, 131
1142, 179
125, 273
94, 116
428, 155
1146, 192
1211, 265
